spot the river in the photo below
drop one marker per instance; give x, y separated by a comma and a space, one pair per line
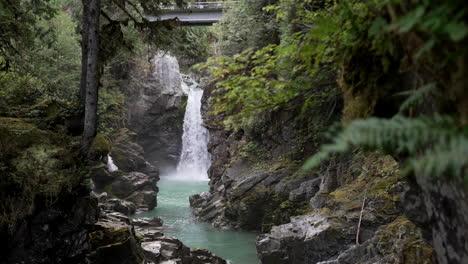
174, 209
190, 177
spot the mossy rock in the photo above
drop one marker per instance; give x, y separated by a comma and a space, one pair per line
121, 159
404, 240
34, 165
108, 234
379, 175
114, 243
102, 145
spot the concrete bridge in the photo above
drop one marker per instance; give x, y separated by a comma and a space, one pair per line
194, 14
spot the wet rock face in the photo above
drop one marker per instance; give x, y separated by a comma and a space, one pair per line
53, 235
357, 221
129, 156
114, 242
440, 208
130, 192
254, 177
308, 239
133, 186
156, 108
118, 205
328, 239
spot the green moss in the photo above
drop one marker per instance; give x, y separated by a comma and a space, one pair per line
109, 235
120, 158
34, 164
101, 146
378, 175
404, 238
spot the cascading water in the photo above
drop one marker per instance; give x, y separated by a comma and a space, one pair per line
194, 159
110, 164
190, 175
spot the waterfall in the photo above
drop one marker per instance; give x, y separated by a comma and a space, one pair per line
194, 159
110, 164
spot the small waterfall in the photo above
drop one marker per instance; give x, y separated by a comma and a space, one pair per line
194, 159
110, 164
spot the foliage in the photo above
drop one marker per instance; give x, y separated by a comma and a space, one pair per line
245, 24
111, 107
189, 43
435, 145
47, 86
255, 82
369, 44
34, 165
438, 23
59, 64
21, 29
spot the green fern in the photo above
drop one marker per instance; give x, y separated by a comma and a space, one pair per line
435, 145
416, 97
451, 158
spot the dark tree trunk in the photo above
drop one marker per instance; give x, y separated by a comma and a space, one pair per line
84, 53
92, 75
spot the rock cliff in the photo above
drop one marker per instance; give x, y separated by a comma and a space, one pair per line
156, 101
348, 211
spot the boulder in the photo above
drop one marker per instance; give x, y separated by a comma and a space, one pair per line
202, 256
170, 250
101, 176
137, 188
126, 184
399, 242
114, 242
118, 205
307, 239
147, 222
143, 200
152, 251
306, 190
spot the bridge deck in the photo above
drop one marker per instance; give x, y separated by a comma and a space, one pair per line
195, 14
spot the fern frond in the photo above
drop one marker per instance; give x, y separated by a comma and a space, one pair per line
451, 158
416, 97
434, 144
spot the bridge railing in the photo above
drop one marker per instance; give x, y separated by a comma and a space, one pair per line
199, 5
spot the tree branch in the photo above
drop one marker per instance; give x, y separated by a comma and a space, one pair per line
125, 11
360, 219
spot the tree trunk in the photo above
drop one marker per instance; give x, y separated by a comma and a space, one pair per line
92, 75
84, 53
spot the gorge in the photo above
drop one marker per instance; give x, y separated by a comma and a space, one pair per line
273, 132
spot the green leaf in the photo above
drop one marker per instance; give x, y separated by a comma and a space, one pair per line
427, 47
411, 19
377, 27
456, 31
